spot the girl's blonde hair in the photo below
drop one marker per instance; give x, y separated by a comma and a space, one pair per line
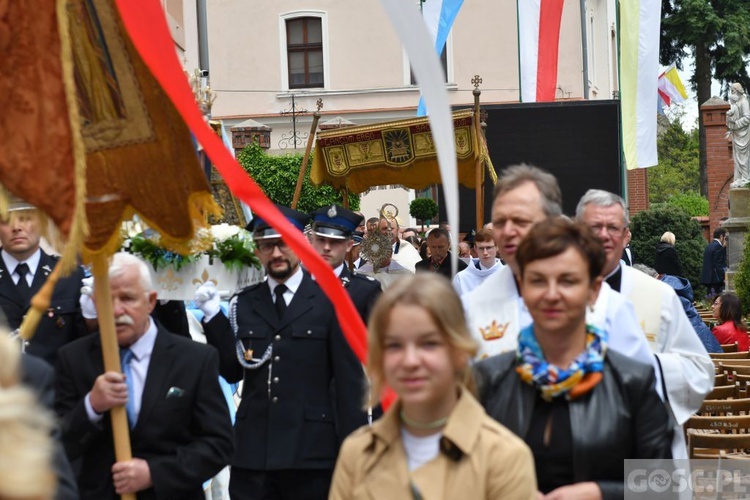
436, 296
26, 471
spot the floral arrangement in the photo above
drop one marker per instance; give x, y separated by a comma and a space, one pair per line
232, 245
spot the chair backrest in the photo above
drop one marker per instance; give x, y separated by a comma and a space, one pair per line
721, 392
733, 371
725, 406
726, 425
730, 355
720, 442
741, 390
734, 347
718, 363
721, 379
740, 377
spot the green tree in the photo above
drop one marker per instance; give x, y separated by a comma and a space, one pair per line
678, 168
277, 177
647, 228
717, 34
423, 209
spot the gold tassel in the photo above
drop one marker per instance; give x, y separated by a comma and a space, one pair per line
79, 227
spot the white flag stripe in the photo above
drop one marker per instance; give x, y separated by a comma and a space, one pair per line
648, 73
668, 88
429, 74
528, 40
431, 14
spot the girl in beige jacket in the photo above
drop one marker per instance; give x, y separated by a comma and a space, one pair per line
436, 441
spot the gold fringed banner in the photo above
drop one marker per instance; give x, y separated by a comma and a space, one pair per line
399, 152
140, 156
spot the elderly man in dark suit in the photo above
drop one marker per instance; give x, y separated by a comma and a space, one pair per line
332, 229
303, 387
181, 434
24, 267
715, 263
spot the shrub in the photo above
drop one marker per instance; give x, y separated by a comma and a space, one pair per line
647, 228
277, 177
691, 202
742, 278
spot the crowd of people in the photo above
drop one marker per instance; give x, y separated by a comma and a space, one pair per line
531, 371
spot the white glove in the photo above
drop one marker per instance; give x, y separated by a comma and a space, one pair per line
88, 309
208, 300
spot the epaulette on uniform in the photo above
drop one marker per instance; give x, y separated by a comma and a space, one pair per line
356, 274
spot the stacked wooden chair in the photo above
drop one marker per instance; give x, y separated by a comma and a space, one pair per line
721, 428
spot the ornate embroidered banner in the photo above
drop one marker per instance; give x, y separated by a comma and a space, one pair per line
398, 152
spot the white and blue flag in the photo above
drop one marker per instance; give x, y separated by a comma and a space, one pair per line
438, 15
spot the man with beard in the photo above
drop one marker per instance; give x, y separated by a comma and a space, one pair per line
303, 385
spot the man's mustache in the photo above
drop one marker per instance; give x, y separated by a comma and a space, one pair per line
124, 319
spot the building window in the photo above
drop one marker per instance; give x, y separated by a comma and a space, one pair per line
304, 45
443, 63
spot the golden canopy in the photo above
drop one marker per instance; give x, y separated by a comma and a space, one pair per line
398, 152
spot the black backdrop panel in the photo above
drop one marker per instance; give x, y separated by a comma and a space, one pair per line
578, 142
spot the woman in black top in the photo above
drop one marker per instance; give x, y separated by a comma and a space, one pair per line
581, 408
667, 260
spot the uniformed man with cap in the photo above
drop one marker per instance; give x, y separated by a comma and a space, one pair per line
332, 229
303, 385
24, 267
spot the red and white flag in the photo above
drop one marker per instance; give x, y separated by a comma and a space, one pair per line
538, 41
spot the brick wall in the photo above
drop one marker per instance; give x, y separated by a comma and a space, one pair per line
719, 162
637, 190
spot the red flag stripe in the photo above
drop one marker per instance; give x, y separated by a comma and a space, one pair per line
665, 98
550, 17
146, 25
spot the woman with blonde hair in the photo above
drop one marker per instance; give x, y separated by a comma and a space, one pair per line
435, 441
25, 444
667, 261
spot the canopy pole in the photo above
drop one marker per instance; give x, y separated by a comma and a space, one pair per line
478, 168
306, 158
111, 354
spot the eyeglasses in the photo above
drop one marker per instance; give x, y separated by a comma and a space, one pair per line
611, 230
266, 247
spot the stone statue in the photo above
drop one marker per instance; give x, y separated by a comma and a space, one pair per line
738, 125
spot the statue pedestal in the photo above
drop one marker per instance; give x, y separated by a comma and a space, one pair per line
736, 226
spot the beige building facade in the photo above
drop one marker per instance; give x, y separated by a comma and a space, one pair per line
263, 56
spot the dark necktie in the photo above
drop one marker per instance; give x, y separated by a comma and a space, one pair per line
126, 356
280, 302
22, 270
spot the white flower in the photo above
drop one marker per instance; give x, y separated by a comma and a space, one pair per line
222, 232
